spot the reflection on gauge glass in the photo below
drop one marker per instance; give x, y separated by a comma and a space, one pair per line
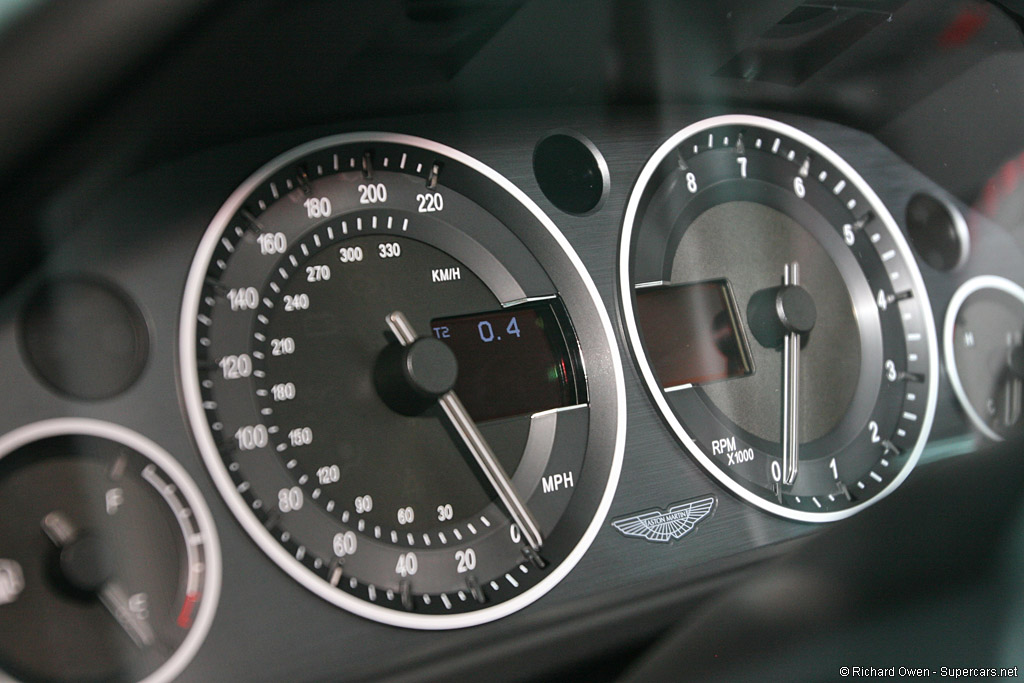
107, 548
984, 352
402, 380
777, 317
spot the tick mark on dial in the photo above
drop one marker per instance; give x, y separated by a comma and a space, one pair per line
405, 590
475, 590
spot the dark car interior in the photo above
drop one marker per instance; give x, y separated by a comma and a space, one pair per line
511, 340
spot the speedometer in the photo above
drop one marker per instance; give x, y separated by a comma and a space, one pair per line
402, 380
778, 317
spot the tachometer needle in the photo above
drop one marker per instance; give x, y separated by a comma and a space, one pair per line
476, 444
783, 317
790, 389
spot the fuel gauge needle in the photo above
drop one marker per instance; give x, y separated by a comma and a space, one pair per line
476, 444
116, 601
82, 563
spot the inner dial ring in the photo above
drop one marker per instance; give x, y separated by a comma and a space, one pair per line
777, 317
522, 441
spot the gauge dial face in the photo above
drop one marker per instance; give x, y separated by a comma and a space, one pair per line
777, 317
105, 547
984, 353
402, 380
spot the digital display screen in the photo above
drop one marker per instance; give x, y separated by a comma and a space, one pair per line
514, 361
693, 333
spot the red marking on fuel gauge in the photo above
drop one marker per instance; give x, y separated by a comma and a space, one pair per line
185, 616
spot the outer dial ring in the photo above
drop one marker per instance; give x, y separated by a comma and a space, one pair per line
572, 285
776, 134
956, 304
197, 510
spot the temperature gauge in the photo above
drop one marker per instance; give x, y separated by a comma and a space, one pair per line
106, 548
983, 332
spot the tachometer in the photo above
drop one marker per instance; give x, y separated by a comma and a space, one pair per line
402, 380
778, 317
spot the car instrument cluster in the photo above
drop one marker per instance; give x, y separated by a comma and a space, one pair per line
402, 376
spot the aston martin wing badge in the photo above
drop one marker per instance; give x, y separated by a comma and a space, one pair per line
660, 526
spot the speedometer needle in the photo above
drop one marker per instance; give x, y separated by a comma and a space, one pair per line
476, 444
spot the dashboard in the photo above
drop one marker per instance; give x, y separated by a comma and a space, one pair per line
517, 339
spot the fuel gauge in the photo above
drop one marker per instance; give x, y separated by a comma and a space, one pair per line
105, 548
985, 354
